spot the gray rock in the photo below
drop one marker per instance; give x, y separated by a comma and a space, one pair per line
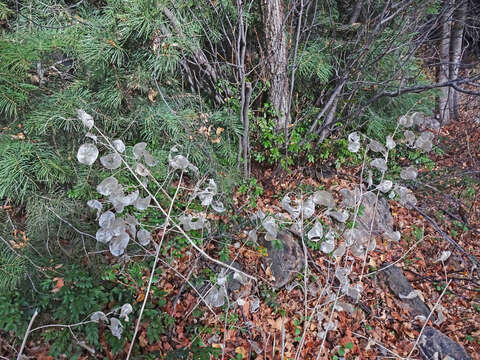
381, 216
394, 279
285, 258
435, 345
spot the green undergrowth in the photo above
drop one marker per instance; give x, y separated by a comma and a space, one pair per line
69, 294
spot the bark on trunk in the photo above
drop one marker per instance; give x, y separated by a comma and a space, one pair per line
460, 16
444, 71
277, 59
355, 12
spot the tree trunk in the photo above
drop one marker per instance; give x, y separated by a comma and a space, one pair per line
356, 12
277, 59
444, 71
456, 52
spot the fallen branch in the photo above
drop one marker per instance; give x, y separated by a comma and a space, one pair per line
447, 237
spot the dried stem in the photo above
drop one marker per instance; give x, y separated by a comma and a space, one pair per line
24, 342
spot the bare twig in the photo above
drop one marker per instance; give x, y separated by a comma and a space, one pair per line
471, 257
24, 342
152, 273
69, 224
190, 284
378, 344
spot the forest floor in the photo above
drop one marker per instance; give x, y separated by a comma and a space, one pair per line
266, 323
380, 325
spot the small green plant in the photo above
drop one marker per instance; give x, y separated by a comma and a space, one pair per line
197, 350
271, 145
439, 286
158, 323
252, 189
70, 294
407, 262
352, 224
471, 338
470, 191
343, 155
417, 232
298, 330
338, 147
231, 319
269, 296
268, 139
342, 350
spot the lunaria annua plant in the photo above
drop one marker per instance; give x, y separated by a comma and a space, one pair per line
323, 220
118, 230
335, 226
116, 327
115, 230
